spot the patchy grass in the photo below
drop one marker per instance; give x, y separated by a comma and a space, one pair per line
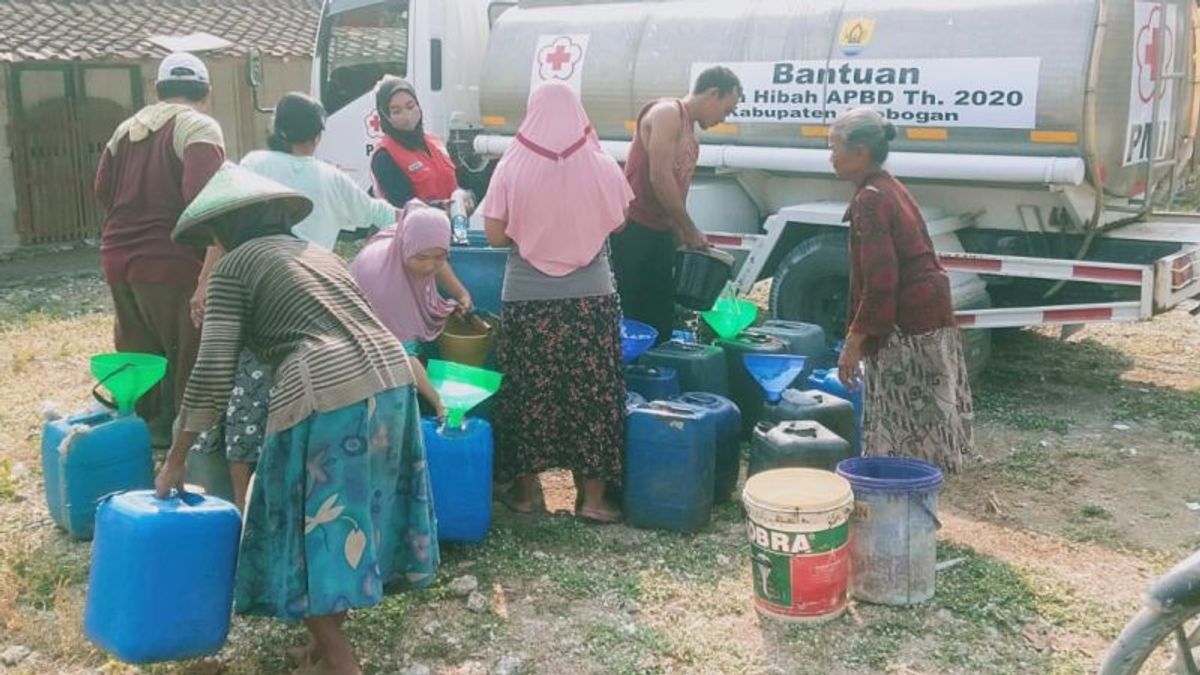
580, 599
8, 489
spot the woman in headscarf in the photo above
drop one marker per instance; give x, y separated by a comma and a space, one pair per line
408, 162
400, 270
901, 316
340, 504
555, 197
337, 204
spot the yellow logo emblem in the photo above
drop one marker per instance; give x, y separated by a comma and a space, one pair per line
855, 34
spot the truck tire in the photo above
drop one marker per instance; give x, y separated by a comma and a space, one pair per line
812, 284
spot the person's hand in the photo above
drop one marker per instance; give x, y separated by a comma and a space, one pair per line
465, 304
694, 240
439, 411
170, 476
197, 304
848, 371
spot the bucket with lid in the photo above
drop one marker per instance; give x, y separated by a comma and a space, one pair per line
461, 387
127, 376
798, 524
700, 276
894, 548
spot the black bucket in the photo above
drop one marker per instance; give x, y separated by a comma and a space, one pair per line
700, 276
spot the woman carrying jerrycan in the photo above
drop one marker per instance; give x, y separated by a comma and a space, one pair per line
340, 504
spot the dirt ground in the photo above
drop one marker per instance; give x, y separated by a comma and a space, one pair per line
1087, 456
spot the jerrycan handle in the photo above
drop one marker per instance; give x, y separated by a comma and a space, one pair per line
187, 498
672, 408
801, 431
101, 398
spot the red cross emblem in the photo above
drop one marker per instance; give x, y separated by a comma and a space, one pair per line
1150, 40
559, 59
374, 129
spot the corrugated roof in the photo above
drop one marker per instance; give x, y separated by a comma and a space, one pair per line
44, 30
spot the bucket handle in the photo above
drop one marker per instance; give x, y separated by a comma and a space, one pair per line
937, 524
109, 403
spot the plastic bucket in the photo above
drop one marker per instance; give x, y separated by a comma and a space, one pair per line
894, 530
700, 276
798, 524
466, 340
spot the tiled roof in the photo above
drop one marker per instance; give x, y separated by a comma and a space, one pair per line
42, 30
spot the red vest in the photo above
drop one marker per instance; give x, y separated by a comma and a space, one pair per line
432, 175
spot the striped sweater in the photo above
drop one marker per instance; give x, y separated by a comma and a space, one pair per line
297, 308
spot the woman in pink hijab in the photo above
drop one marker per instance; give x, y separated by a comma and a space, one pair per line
399, 271
554, 198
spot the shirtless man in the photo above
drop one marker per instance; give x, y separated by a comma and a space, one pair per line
660, 166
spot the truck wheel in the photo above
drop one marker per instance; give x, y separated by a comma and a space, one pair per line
812, 284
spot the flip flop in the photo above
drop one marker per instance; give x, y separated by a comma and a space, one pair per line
598, 517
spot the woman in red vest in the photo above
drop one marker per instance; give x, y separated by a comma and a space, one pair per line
408, 163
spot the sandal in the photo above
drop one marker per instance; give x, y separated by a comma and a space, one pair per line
598, 517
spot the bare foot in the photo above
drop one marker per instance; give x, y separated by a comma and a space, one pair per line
304, 655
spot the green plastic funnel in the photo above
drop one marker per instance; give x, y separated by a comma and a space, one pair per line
730, 316
461, 387
127, 376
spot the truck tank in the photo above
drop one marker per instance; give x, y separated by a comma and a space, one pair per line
1002, 77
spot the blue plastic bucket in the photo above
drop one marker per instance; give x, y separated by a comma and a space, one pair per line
893, 543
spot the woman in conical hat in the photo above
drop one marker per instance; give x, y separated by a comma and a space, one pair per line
340, 503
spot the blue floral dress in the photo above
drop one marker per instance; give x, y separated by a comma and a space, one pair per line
340, 506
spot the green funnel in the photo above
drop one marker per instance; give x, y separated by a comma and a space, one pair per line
127, 376
461, 387
730, 316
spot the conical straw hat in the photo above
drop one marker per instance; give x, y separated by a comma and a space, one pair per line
231, 188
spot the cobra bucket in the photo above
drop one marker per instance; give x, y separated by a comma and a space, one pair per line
798, 522
894, 531
127, 376
466, 340
461, 387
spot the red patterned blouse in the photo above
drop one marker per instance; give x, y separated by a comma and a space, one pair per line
896, 281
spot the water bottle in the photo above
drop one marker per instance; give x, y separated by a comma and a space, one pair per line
458, 217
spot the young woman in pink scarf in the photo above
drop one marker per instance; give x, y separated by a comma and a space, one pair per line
554, 198
400, 270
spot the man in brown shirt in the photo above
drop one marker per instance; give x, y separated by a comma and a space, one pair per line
155, 163
659, 169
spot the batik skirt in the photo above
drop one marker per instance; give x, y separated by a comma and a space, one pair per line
918, 399
340, 506
561, 404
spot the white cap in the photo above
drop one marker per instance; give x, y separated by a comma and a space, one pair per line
182, 67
